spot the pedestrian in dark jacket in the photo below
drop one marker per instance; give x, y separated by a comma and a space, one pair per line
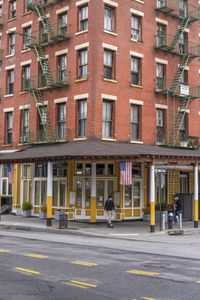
109, 208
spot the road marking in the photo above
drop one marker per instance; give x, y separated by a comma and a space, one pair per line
4, 250
83, 283
27, 271
146, 298
124, 234
84, 263
72, 284
139, 272
34, 255
198, 281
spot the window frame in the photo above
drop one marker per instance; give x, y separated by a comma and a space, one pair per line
110, 21
9, 127
10, 81
61, 121
108, 119
135, 122
109, 58
136, 28
83, 17
82, 72
82, 112
160, 125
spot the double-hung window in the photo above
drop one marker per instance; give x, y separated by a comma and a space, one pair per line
160, 3
82, 118
135, 70
182, 43
109, 62
161, 35
9, 127
183, 8
136, 30
160, 126
83, 18
12, 9
42, 123
109, 18
82, 63
135, 122
26, 77
62, 21
11, 43
27, 38
61, 121
10, 82
25, 114
62, 68
107, 120
183, 126
160, 76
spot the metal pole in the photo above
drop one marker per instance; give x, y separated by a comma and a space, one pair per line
163, 221
180, 221
152, 198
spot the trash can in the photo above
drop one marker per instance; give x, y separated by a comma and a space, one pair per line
63, 221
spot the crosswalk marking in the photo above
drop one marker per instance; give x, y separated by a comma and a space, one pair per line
34, 255
84, 263
4, 250
27, 271
139, 272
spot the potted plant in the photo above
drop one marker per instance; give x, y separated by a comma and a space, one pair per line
26, 208
43, 212
163, 208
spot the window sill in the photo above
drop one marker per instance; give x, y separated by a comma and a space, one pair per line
136, 41
12, 19
137, 86
136, 142
9, 55
27, 13
80, 139
110, 80
23, 92
81, 79
26, 50
81, 32
110, 32
9, 95
7, 145
139, 1
160, 144
109, 139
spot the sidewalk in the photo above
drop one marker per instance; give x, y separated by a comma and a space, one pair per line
126, 230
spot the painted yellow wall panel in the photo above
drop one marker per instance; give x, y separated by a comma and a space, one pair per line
100, 212
118, 217
71, 216
87, 213
78, 212
128, 213
136, 213
36, 210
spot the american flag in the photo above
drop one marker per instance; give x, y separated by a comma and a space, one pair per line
10, 174
126, 173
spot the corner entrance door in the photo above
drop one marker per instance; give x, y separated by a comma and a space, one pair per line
133, 200
83, 194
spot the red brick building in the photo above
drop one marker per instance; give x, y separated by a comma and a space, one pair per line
100, 70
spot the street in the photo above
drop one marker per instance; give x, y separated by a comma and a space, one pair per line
34, 266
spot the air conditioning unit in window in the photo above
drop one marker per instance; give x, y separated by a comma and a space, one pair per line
135, 37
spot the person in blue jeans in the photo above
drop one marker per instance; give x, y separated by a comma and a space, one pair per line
177, 210
109, 208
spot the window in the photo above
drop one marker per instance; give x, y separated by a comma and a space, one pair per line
42, 123
62, 21
135, 71
10, 82
136, 29
183, 8
27, 38
184, 77
107, 122
82, 118
26, 77
83, 18
182, 43
135, 122
40, 170
160, 3
27, 4
25, 114
6, 183
61, 119
161, 35
109, 18
59, 193
109, 70
160, 126
62, 68
82, 63
12, 8
9, 127
183, 127
11, 43
60, 169
160, 76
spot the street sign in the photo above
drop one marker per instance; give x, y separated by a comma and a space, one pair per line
160, 171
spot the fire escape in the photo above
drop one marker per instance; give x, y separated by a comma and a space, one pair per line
186, 51
38, 42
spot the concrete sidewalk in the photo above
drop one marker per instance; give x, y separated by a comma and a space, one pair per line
125, 230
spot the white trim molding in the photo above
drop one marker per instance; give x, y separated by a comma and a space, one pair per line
109, 97
81, 96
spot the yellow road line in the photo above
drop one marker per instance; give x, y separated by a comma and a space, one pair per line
146, 298
34, 255
72, 284
27, 271
4, 250
83, 263
198, 281
83, 283
139, 272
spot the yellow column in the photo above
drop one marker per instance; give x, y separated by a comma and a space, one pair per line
16, 187
93, 200
49, 193
196, 197
152, 198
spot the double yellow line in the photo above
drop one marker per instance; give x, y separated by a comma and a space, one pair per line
80, 284
84, 263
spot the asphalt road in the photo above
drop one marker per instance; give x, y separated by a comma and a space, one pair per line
35, 269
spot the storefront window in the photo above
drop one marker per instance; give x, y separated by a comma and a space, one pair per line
110, 187
78, 193
62, 193
136, 170
87, 193
79, 169
40, 192
100, 169
110, 169
88, 169
60, 169
128, 196
136, 194
41, 170
100, 193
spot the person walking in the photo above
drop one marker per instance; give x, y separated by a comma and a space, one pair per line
109, 208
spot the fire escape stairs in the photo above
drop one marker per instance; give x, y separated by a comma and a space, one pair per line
180, 30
